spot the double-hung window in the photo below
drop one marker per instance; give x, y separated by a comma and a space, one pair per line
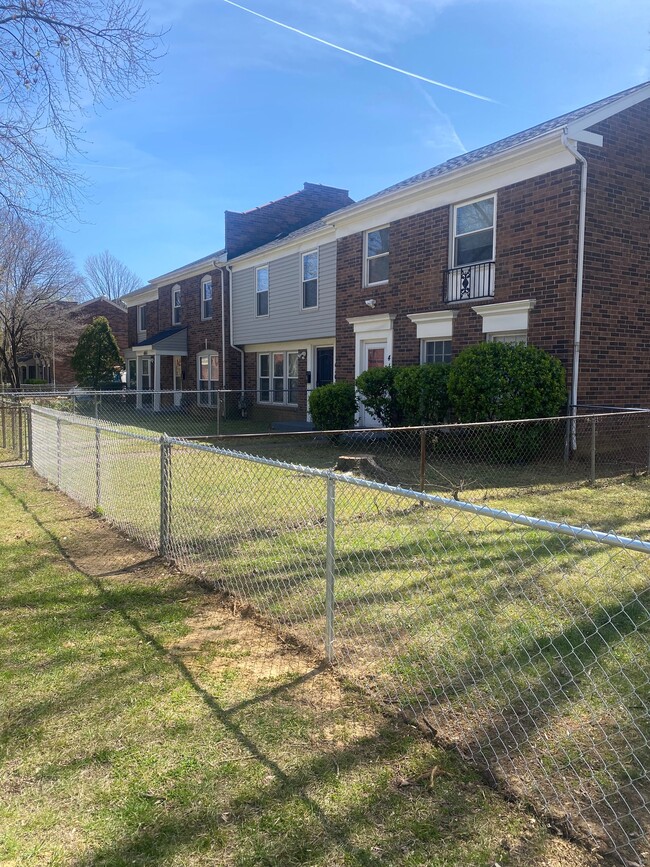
436, 351
310, 280
377, 255
176, 305
262, 291
473, 232
206, 298
277, 380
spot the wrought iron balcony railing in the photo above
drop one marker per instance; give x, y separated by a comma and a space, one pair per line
468, 282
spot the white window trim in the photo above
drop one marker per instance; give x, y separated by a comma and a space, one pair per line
366, 267
176, 291
266, 268
303, 281
207, 279
142, 308
207, 353
437, 325
452, 234
509, 316
285, 377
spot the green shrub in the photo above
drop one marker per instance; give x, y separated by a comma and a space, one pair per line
333, 407
422, 395
35, 382
501, 381
376, 389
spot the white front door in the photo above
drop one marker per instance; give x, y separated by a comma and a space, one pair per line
375, 354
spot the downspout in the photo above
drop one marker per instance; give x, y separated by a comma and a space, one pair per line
582, 219
223, 330
240, 351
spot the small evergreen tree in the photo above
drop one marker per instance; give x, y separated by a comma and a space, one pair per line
96, 358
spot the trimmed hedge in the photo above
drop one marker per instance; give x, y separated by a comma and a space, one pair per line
376, 388
333, 406
501, 381
422, 395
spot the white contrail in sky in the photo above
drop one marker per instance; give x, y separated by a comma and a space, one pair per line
360, 56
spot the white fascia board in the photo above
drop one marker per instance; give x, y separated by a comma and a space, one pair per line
135, 300
509, 316
437, 325
577, 134
304, 244
289, 345
190, 271
610, 110
469, 182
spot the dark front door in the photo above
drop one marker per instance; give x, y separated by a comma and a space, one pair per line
324, 365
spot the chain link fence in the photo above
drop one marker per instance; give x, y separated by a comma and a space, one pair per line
522, 643
465, 461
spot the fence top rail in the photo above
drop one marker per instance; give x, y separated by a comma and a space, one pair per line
503, 515
99, 424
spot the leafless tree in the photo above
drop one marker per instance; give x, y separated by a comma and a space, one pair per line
57, 59
105, 274
38, 285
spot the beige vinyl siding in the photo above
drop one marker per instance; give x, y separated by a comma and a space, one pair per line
286, 320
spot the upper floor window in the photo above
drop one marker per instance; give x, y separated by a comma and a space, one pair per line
142, 317
206, 298
262, 291
310, 279
176, 305
377, 252
473, 232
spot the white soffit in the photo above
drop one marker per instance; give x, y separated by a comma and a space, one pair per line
437, 325
510, 316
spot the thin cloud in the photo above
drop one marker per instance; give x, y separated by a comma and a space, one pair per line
359, 56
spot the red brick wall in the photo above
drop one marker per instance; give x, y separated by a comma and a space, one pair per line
536, 243
615, 344
245, 231
82, 317
201, 334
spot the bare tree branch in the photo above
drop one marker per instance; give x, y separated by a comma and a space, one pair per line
57, 58
106, 275
38, 285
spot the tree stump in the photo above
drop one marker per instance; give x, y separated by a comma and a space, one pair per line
362, 465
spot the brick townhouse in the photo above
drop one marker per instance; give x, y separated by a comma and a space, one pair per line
180, 337
39, 365
541, 237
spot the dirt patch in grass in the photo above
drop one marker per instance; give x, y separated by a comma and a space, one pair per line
145, 721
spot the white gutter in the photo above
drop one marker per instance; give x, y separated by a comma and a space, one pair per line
582, 218
240, 351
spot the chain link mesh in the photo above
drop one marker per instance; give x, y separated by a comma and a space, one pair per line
521, 643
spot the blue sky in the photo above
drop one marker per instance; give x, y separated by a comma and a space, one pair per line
243, 111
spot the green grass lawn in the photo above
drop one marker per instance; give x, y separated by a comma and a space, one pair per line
527, 651
142, 722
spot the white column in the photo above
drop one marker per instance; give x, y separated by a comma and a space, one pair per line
156, 382
138, 381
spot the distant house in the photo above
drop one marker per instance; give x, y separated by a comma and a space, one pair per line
49, 363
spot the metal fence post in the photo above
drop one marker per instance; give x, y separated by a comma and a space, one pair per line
19, 410
58, 453
423, 459
165, 494
593, 451
218, 414
30, 442
74, 403
329, 569
96, 407
4, 423
98, 468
